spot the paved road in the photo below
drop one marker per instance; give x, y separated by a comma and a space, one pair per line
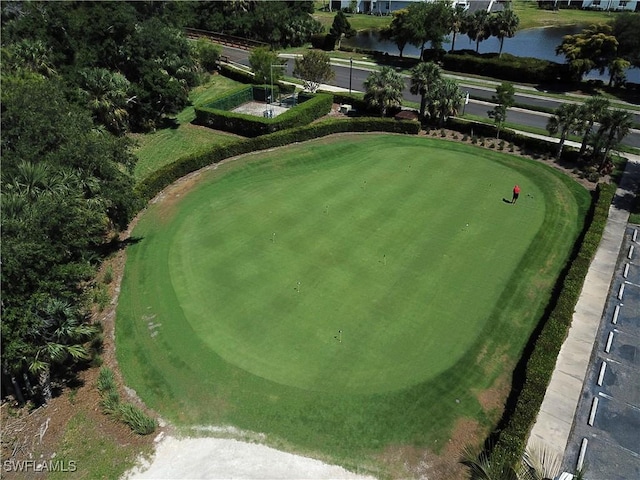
356, 75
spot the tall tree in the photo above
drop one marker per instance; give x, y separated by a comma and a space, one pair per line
615, 125
504, 24
591, 111
566, 119
261, 59
107, 95
424, 75
400, 30
58, 334
625, 28
478, 26
313, 68
446, 99
341, 28
383, 89
457, 23
504, 99
594, 48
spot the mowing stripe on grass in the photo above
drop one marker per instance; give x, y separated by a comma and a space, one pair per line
432, 312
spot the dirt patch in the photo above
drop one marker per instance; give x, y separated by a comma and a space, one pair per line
410, 462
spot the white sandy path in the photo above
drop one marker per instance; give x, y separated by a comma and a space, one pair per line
217, 458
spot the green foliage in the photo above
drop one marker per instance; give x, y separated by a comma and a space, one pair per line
504, 99
341, 27
384, 89
625, 28
541, 364
208, 54
108, 275
594, 48
313, 68
261, 61
138, 421
506, 67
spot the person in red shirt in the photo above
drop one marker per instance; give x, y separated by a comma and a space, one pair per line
516, 194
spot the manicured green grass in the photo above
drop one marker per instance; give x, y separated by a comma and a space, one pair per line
167, 145
404, 244
531, 16
85, 455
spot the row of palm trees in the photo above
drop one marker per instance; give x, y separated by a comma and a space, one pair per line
439, 97
431, 22
581, 119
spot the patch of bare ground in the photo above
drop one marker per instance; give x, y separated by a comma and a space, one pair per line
410, 462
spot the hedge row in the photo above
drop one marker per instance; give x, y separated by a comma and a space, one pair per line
507, 67
161, 178
244, 76
252, 126
542, 362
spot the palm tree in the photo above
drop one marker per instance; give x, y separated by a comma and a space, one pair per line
447, 98
478, 27
590, 112
615, 125
565, 120
59, 334
106, 94
422, 76
457, 23
504, 24
384, 89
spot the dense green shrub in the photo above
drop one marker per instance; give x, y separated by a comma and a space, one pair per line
506, 67
110, 403
138, 421
542, 361
166, 175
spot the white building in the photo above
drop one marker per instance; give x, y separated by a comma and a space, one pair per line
385, 7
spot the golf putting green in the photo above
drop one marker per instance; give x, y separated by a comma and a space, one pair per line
357, 265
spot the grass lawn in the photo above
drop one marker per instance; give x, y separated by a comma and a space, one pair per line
345, 294
167, 145
531, 16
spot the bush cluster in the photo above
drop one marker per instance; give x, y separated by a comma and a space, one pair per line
528, 144
541, 363
506, 67
136, 419
252, 126
166, 175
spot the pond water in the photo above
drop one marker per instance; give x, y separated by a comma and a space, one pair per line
536, 42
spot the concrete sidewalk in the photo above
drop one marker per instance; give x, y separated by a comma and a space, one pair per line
555, 418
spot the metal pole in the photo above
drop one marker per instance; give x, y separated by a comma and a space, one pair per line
350, 72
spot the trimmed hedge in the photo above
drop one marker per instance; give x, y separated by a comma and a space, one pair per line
161, 178
252, 126
541, 364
